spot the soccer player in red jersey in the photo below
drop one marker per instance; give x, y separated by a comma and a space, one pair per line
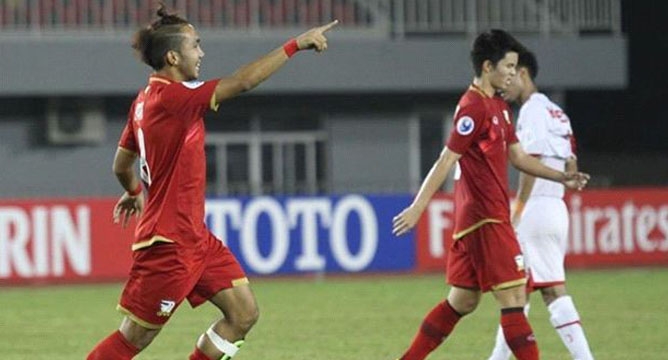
175, 256
485, 255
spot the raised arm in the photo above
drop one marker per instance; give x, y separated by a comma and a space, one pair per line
407, 219
251, 75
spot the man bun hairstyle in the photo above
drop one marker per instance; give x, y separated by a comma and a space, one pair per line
154, 41
492, 45
527, 60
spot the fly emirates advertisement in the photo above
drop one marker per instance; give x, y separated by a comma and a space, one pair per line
74, 240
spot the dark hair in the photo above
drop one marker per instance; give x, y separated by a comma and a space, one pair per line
528, 60
154, 41
492, 45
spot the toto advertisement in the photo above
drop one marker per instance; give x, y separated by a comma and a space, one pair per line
74, 240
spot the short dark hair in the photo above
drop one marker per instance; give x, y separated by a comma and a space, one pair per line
492, 45
527, 60
154, 41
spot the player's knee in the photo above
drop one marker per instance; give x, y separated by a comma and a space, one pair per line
139, 336
550, 294
245, 320
464, 306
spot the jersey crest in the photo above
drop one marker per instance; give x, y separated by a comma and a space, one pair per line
465, 125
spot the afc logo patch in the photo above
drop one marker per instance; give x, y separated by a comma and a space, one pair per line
465, 125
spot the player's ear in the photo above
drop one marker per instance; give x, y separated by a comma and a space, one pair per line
487, 66
172, 58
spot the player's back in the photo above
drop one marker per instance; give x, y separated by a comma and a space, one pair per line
168, 133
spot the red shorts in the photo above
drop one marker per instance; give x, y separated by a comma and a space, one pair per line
488, 258
165, 274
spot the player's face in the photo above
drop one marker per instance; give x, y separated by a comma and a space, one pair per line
191, 54
502, 74
515, 88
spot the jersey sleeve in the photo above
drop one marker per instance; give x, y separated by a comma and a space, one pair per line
128, 140
468, 121
190, 96
532, 130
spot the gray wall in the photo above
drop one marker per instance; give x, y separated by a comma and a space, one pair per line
88, 64
54, 171
369, 153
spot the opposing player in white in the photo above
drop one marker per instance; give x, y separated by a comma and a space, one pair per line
539, 213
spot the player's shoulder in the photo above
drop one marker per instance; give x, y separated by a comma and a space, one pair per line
472, 97
471, 103
537, 106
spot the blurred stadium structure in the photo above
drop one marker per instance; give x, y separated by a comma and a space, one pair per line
370, 116
396, 17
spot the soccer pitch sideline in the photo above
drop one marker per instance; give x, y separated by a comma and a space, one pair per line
624, 312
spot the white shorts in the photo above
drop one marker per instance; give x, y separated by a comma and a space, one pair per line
543, 236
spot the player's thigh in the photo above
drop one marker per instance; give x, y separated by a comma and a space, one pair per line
221, 272
498, 258
543, 234
159, 281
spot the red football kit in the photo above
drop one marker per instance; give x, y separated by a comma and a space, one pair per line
175, 256
485, 254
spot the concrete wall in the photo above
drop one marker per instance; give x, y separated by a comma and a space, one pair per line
35, 171
104, 65
369, 153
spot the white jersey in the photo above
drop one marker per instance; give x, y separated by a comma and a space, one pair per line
544, 130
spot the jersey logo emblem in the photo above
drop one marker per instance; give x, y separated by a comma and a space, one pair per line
495, 120
192, 84
519, 261
166, 307
465, 125
139, 111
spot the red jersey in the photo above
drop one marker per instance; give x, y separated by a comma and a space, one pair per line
482, 133
166, 128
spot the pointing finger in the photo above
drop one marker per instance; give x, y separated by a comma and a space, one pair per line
329, 26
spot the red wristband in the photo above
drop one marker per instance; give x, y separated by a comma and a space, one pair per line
290, 47
136, 191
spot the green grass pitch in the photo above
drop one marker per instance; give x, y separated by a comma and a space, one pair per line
624, 312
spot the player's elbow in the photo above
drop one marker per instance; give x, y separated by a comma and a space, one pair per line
246, 85
121, 166
118, 170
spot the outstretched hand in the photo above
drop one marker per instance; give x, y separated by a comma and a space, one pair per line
315, 38
575, 180
126, 207
405, 220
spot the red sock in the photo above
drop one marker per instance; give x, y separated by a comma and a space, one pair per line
518, 334
436, 326
114, 347
198, 355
